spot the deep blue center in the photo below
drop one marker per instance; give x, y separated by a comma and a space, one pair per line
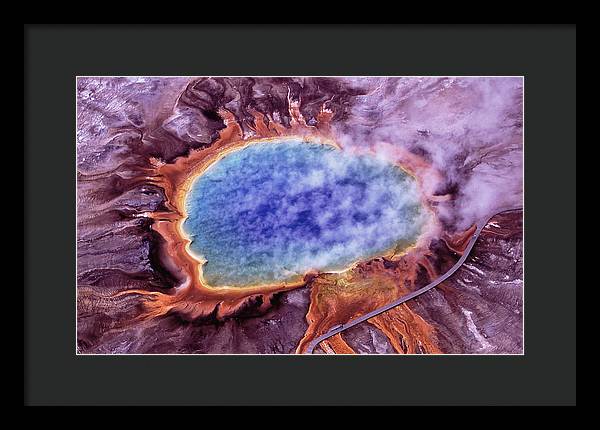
272, 211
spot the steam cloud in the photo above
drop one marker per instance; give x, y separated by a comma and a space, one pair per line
471, 129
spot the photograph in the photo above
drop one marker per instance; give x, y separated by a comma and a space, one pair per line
299, 215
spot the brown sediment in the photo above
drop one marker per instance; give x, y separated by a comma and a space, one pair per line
458, 242
336, 345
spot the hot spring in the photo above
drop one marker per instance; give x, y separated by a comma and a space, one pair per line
272, 211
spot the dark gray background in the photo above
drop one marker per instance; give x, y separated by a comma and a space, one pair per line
544, 55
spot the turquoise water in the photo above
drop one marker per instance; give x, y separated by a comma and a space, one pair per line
272, 211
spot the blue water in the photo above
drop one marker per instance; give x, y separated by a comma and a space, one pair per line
272, 211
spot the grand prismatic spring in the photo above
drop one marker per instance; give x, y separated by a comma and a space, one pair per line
273, 211
253, 215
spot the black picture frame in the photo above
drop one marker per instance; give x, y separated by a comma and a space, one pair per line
55, 55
